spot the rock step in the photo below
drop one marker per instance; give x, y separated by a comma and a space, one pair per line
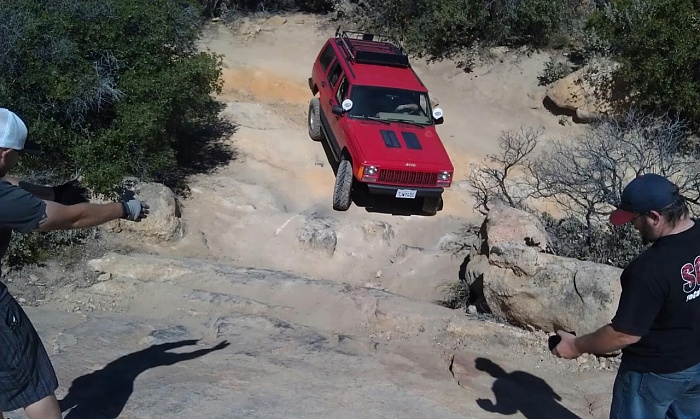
126, 366
203, 292
312, 344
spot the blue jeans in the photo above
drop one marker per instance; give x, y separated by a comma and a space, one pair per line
651, 396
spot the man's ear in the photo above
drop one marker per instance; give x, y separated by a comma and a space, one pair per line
655, 217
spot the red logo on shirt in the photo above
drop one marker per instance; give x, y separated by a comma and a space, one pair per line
689, 273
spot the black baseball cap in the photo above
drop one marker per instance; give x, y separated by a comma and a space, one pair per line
647, 192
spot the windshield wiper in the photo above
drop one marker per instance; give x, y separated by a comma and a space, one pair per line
408, 121
373, 118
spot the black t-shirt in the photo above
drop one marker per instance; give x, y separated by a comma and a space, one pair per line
660, 302
19, 211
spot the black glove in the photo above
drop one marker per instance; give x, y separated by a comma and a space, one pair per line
70, 193
134, 210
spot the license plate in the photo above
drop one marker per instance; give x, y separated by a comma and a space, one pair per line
406, 193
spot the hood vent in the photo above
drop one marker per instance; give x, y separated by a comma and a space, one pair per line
390, 139
411, 140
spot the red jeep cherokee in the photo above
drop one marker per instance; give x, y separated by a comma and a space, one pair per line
376, 116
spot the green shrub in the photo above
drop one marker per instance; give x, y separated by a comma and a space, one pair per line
442, 28
29, 249
109, 88
455, 294
554, 69
658, 44
216, 8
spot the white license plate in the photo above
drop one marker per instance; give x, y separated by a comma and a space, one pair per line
406, 193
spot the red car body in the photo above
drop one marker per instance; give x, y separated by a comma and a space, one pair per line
386, 131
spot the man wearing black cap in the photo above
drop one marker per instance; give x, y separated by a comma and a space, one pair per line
657, 323
27, 378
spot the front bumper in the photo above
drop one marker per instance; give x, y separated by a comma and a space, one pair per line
391, 190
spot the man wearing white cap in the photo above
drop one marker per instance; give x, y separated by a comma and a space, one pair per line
13, 136
27, 378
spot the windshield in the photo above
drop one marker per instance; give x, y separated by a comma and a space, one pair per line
389, 104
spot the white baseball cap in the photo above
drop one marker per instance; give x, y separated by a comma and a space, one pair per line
13, 133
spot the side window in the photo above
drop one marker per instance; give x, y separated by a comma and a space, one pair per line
335, 73
326, 57
342, 92
424, 104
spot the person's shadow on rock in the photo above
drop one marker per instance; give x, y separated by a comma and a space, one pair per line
522, 392
104, 393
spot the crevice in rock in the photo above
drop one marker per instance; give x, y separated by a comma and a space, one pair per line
576, 288
530, 242
484, 250
450, 368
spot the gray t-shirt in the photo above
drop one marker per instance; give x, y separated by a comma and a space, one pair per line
19, 211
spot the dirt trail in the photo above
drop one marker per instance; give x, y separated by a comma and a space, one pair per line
253, 212
284, 175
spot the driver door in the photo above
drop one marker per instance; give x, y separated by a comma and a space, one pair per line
328, 88
339, 123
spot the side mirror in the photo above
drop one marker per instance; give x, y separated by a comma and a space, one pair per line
437, 116
344, 107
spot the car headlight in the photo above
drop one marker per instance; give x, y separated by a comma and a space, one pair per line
444, 176
368, 173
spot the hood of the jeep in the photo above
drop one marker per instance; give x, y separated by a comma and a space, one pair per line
399, 143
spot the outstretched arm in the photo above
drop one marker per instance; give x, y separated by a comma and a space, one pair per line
602, 341
66, 217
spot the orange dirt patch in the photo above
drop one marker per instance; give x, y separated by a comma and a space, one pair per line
319, 182
264, 85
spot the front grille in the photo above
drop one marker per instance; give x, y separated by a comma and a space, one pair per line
401, 177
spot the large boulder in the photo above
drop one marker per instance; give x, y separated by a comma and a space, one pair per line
589, 92
163, 222
515, 240
564, 294
318, 235
507, 225
526, 286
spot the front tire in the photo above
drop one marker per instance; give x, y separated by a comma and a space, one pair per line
432, 205
314, 120
342, 192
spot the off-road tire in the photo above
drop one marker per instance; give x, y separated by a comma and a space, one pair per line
342, 192
314, 120
432, 205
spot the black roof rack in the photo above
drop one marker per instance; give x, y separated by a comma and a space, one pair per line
367, 48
